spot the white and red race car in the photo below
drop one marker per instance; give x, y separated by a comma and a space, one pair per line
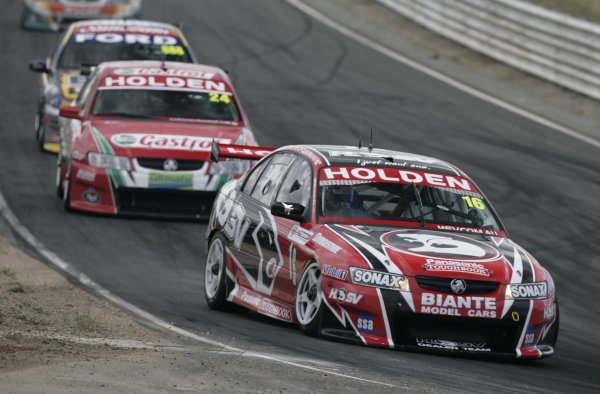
138, 139
54, 14
379, 248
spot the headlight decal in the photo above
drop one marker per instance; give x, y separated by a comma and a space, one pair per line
106, 148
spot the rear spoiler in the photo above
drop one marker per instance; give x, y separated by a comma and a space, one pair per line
247, 152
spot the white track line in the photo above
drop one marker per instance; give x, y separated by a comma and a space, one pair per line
55, 260
300, 5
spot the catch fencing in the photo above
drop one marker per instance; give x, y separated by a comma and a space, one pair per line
548, 44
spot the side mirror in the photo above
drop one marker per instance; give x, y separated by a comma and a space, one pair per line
39, 66
70, 111
289, 210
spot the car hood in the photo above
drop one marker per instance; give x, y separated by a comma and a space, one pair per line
423, 252
155, 139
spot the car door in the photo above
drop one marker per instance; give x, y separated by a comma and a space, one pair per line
256, 247
296, 188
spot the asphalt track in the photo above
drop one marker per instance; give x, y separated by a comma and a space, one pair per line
301, 82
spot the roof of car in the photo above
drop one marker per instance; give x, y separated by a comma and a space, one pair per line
336, 155
130, 64
108, 25
153, 74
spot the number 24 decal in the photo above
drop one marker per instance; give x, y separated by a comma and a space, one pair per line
474, 202
219, 98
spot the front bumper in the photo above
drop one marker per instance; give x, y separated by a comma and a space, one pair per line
516, 335
103, 191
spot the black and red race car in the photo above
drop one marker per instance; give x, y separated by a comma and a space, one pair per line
376, 247
137, 141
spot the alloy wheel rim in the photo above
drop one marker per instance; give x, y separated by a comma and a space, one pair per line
309, 296
214, 268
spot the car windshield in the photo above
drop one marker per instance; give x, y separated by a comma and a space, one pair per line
165, 103
76, 54
404, 198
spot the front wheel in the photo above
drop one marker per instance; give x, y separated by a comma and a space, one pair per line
40, 131
66, 189
214, 275
309, 300
552, 336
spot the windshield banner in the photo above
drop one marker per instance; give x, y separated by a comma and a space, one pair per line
349, 175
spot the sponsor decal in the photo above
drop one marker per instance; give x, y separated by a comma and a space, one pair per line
165, 141
170, 181
386, 280
299, 235
549, 311
378, 163
343, 295
165, 82
119, 38
86, 175
70, 85
172, 72
124, 139
78, 155
334, 272
236, 224
316, 160
435, 245
364, 324
444, 344
396, 176
377, 154
267, 306
116, 27
529, 291
456, 266
320, 240
91, 197
529, 336
451, 305
472, 230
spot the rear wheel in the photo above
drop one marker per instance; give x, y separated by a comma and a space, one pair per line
214, 275
309, 299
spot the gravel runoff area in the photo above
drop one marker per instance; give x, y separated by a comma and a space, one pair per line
57, 338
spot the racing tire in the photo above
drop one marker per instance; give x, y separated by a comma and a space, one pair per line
215, 275
40, 131
309, 300
66, 193
59, 183
552, 336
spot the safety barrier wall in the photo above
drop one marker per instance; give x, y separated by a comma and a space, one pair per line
548, 44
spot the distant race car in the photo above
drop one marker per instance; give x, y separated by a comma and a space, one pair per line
138, 140
379, 248
55, 14
88, 43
